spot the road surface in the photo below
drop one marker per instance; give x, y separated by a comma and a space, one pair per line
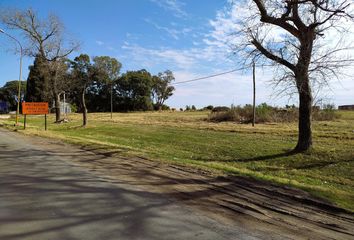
50, 190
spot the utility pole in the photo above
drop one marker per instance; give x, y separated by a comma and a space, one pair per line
254, 94
111, 99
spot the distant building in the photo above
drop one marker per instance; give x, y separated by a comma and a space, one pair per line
346, 107
4, 107
63, 108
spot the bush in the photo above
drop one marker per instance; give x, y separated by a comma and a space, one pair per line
209, 107
328, 113
73, 108
221, 109
266, 113
225, 116
165, 107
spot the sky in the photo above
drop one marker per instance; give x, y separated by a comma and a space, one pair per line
184, 36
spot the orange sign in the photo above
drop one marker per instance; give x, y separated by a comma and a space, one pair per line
35, 108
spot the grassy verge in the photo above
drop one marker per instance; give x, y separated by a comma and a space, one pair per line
261, 152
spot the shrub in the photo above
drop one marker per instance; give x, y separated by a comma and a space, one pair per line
264, 113
209, 107
165, 107
73, 107
221, 109
193, 108
328, 113
286, 115
225, 116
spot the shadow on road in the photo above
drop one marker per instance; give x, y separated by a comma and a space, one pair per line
60, 193
47, 198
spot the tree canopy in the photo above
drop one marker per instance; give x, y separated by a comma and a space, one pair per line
9, 93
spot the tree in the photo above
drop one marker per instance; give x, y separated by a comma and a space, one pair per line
291, 34
58, 70
98, 96
8, 93
44, 38
134, 91
161, 88
82, 75
37, 82
109, 69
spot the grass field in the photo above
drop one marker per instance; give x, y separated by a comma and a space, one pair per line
261, 152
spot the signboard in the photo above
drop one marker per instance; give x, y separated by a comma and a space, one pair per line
35, 108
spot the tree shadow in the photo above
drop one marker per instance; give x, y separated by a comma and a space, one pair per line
287, 153
42, 197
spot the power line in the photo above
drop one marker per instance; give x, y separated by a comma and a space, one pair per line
210, 76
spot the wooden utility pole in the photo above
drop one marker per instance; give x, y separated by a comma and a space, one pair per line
254, 94
111, 99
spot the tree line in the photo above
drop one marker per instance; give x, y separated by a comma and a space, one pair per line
96, 85
91, 84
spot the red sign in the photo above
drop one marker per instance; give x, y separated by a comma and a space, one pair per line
35, 108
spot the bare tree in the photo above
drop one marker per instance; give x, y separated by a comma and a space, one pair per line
291, 35
44, 38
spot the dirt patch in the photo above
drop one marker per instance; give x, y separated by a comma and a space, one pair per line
254, 204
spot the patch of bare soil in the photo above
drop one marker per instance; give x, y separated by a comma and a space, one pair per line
256, 205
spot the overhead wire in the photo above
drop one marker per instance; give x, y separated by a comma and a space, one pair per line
218, 74
210, 76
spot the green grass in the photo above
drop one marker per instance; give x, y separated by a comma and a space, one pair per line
186, 138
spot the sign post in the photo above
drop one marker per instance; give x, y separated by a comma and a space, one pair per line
24, 123
35, 108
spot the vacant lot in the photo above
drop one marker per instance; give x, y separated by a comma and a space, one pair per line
185, 138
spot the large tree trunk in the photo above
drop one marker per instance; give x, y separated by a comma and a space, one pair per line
57, 108
305, 111
84, 108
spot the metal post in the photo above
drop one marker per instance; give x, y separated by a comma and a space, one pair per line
24, 123
19, 91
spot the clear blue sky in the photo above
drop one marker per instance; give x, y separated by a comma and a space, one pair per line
155, 35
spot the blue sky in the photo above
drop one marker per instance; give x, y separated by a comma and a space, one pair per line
180, 35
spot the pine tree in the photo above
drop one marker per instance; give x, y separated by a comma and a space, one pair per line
38, 82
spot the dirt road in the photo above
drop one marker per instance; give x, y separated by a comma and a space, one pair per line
52, 190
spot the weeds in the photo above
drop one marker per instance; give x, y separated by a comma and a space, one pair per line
267, 114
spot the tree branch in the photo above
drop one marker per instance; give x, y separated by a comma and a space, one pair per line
271, 56
281, 22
